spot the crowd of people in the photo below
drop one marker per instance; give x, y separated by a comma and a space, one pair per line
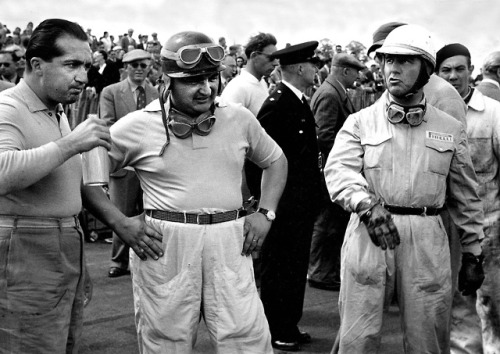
240, 174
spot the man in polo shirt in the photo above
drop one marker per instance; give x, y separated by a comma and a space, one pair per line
490, 85
41, 247
117, 101
188, 153
248, 88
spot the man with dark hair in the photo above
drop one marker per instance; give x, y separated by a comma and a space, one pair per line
248, 88
475, 316
490, 85
41, 247
9, 62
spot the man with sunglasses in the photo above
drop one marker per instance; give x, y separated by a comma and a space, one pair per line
248, 88
117, 101
188, 152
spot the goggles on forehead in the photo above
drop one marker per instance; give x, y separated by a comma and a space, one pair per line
414, 115
188, 56
202, 125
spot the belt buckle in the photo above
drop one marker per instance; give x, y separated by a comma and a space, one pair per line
424, 212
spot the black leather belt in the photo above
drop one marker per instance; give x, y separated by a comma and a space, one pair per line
412, 211
200, 219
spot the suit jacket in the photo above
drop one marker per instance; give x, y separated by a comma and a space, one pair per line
331, 107
489, 89
118, 100
290, 123
110, 75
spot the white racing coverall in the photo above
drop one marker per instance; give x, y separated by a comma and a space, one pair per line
409, 167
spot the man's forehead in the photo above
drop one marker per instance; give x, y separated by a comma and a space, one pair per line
269, 49
456, 60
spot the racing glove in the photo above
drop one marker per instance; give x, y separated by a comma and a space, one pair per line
379, 224
471, 274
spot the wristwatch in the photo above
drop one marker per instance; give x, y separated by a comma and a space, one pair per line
270, 215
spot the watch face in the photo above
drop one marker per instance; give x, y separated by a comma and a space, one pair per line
271, 215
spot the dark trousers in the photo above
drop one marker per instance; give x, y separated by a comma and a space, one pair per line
285, 259
326, 244
125, 192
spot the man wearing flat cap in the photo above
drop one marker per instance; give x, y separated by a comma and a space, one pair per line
475, 317
117, 101
331, 106
287, 118
490, 85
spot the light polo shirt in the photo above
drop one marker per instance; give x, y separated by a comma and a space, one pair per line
246, 90
195, 173
34, 178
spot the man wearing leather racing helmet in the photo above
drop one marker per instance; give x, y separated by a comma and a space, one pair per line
392, 165
188, 153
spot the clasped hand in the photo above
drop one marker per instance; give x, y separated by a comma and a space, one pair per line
381, 228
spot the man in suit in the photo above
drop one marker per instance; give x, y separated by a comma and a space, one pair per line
331, 106
116, 101
9, 61
490, 85
287, 118
103, 72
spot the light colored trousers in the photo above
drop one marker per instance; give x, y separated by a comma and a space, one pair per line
202, 273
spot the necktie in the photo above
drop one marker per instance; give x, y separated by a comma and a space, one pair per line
304, 101
141, 97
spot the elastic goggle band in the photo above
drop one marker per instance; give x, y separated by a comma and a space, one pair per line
202, 126
188, 56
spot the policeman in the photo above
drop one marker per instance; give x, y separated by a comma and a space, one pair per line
392, 165
188, 153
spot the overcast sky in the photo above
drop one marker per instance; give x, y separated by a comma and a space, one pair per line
474, 23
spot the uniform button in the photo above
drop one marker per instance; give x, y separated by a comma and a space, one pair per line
301, 131
303, 120
50, 114
271, 99
279, 91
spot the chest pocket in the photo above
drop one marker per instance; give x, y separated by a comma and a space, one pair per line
439, 155
378, 151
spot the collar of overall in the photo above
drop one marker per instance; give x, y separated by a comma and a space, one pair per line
412, 115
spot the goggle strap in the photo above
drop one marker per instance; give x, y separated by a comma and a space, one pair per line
162, 89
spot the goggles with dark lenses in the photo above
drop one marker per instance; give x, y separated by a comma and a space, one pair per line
188, 56
202, 125
412, 115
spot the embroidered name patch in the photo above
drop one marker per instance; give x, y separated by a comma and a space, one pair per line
439, 136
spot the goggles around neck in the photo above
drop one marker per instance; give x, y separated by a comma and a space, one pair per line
188, 56
413, 115
181, 128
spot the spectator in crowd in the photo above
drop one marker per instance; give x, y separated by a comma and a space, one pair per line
125, 42
229, 72
206, 238
132, 41
222, 43
475, 317
117, 101
9, 62
42, 258
393, 164
92, 40
287, 118
103, 72
3, 35
248, 88
28, 31
331, 106
338, 49
106, 41
324, 71
490, 85
112, 40
240, 62
155, 39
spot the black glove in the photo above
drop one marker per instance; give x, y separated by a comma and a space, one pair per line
381, 227
471, 274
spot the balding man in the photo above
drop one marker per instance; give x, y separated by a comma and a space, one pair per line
229, 72
490, 86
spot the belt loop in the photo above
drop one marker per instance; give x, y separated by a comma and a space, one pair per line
15, 223
237, 214
185, 217
77, 221
424, 213
198, 219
